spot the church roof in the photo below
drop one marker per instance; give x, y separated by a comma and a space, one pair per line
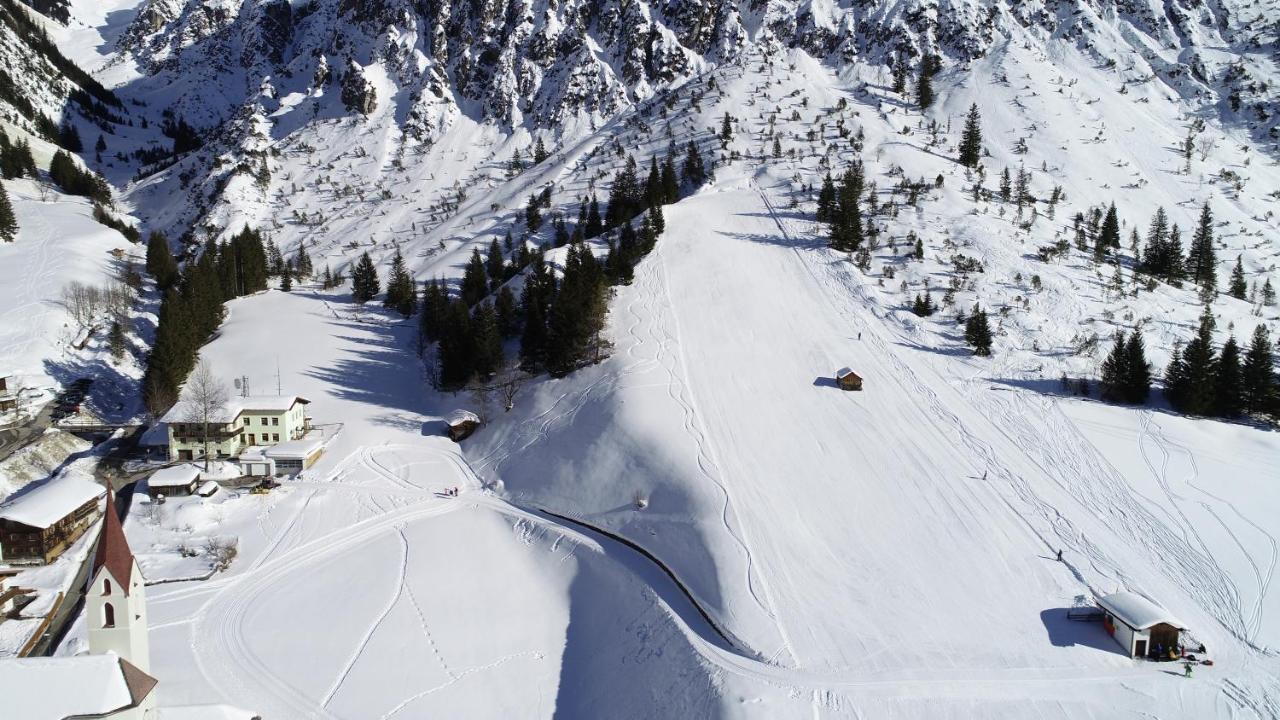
113, 549
55, 688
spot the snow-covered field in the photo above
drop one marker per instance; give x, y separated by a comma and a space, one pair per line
888, 553
58, 243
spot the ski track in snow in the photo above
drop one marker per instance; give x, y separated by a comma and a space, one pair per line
1067, 449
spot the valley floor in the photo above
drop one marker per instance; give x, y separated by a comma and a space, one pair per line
887, 553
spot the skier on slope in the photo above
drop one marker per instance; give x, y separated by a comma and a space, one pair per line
1187, 669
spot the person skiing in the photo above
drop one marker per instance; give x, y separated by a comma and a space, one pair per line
1059, 555
1187, 668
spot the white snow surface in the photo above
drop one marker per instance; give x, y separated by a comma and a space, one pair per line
885, 554
57, 688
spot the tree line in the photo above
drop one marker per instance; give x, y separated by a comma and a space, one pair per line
558, 321
192, 304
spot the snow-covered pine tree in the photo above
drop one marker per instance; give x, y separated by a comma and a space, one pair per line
1190, 385
1115, 370
1109, 236
1228, 384
1258, 375
160, 263
1202, 260
8, 220
1238, 288
475, 283
1137, 383
365, 285
971, 139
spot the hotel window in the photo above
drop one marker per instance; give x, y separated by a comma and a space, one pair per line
275, 438
275, 421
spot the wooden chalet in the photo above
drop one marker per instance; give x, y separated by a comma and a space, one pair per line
847, 379
38, 525
461, 424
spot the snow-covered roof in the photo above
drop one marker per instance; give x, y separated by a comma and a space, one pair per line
61, 687
208, 488
51, 501
181, 411
175, 476
295, 449
458, 417
845, 372
1136, 611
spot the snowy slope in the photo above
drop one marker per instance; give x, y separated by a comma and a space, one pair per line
880, 554
58, 242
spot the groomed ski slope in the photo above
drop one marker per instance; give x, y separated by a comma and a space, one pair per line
881, 576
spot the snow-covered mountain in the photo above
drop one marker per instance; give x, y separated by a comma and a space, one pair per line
886, 553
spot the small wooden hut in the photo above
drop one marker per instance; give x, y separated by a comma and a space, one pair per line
461, 424
848, 379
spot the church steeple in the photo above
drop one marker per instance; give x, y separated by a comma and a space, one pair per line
113, 548
115, 600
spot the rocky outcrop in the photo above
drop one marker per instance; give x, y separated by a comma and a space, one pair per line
358, 94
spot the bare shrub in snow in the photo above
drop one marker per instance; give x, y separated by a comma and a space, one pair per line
221, 551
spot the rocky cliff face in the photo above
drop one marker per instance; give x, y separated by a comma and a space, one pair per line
531, 65
538, 61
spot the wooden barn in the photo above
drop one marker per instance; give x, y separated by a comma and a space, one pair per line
461, 424
847, 379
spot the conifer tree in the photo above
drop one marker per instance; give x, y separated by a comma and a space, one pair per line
658, 222
1268, 293
494, 266
365, 285
402, 295
1006, 187
435, 306
508, 313
1109, 237
1190, 385
475, 283
116, 340
726, 127
695, 173
900, 71
539, 152
826, 199
160, 263
1202, 261
670, 182
1258, 376
977, 332
846, 232
924, 86
1138, 381
489, 357
275, 261
594, 225
8, 220
971, 139
1228, 384
560, 232
535, 302
303, 264
1238, 288
286, 277
456, 356
327, 281
1115, 370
